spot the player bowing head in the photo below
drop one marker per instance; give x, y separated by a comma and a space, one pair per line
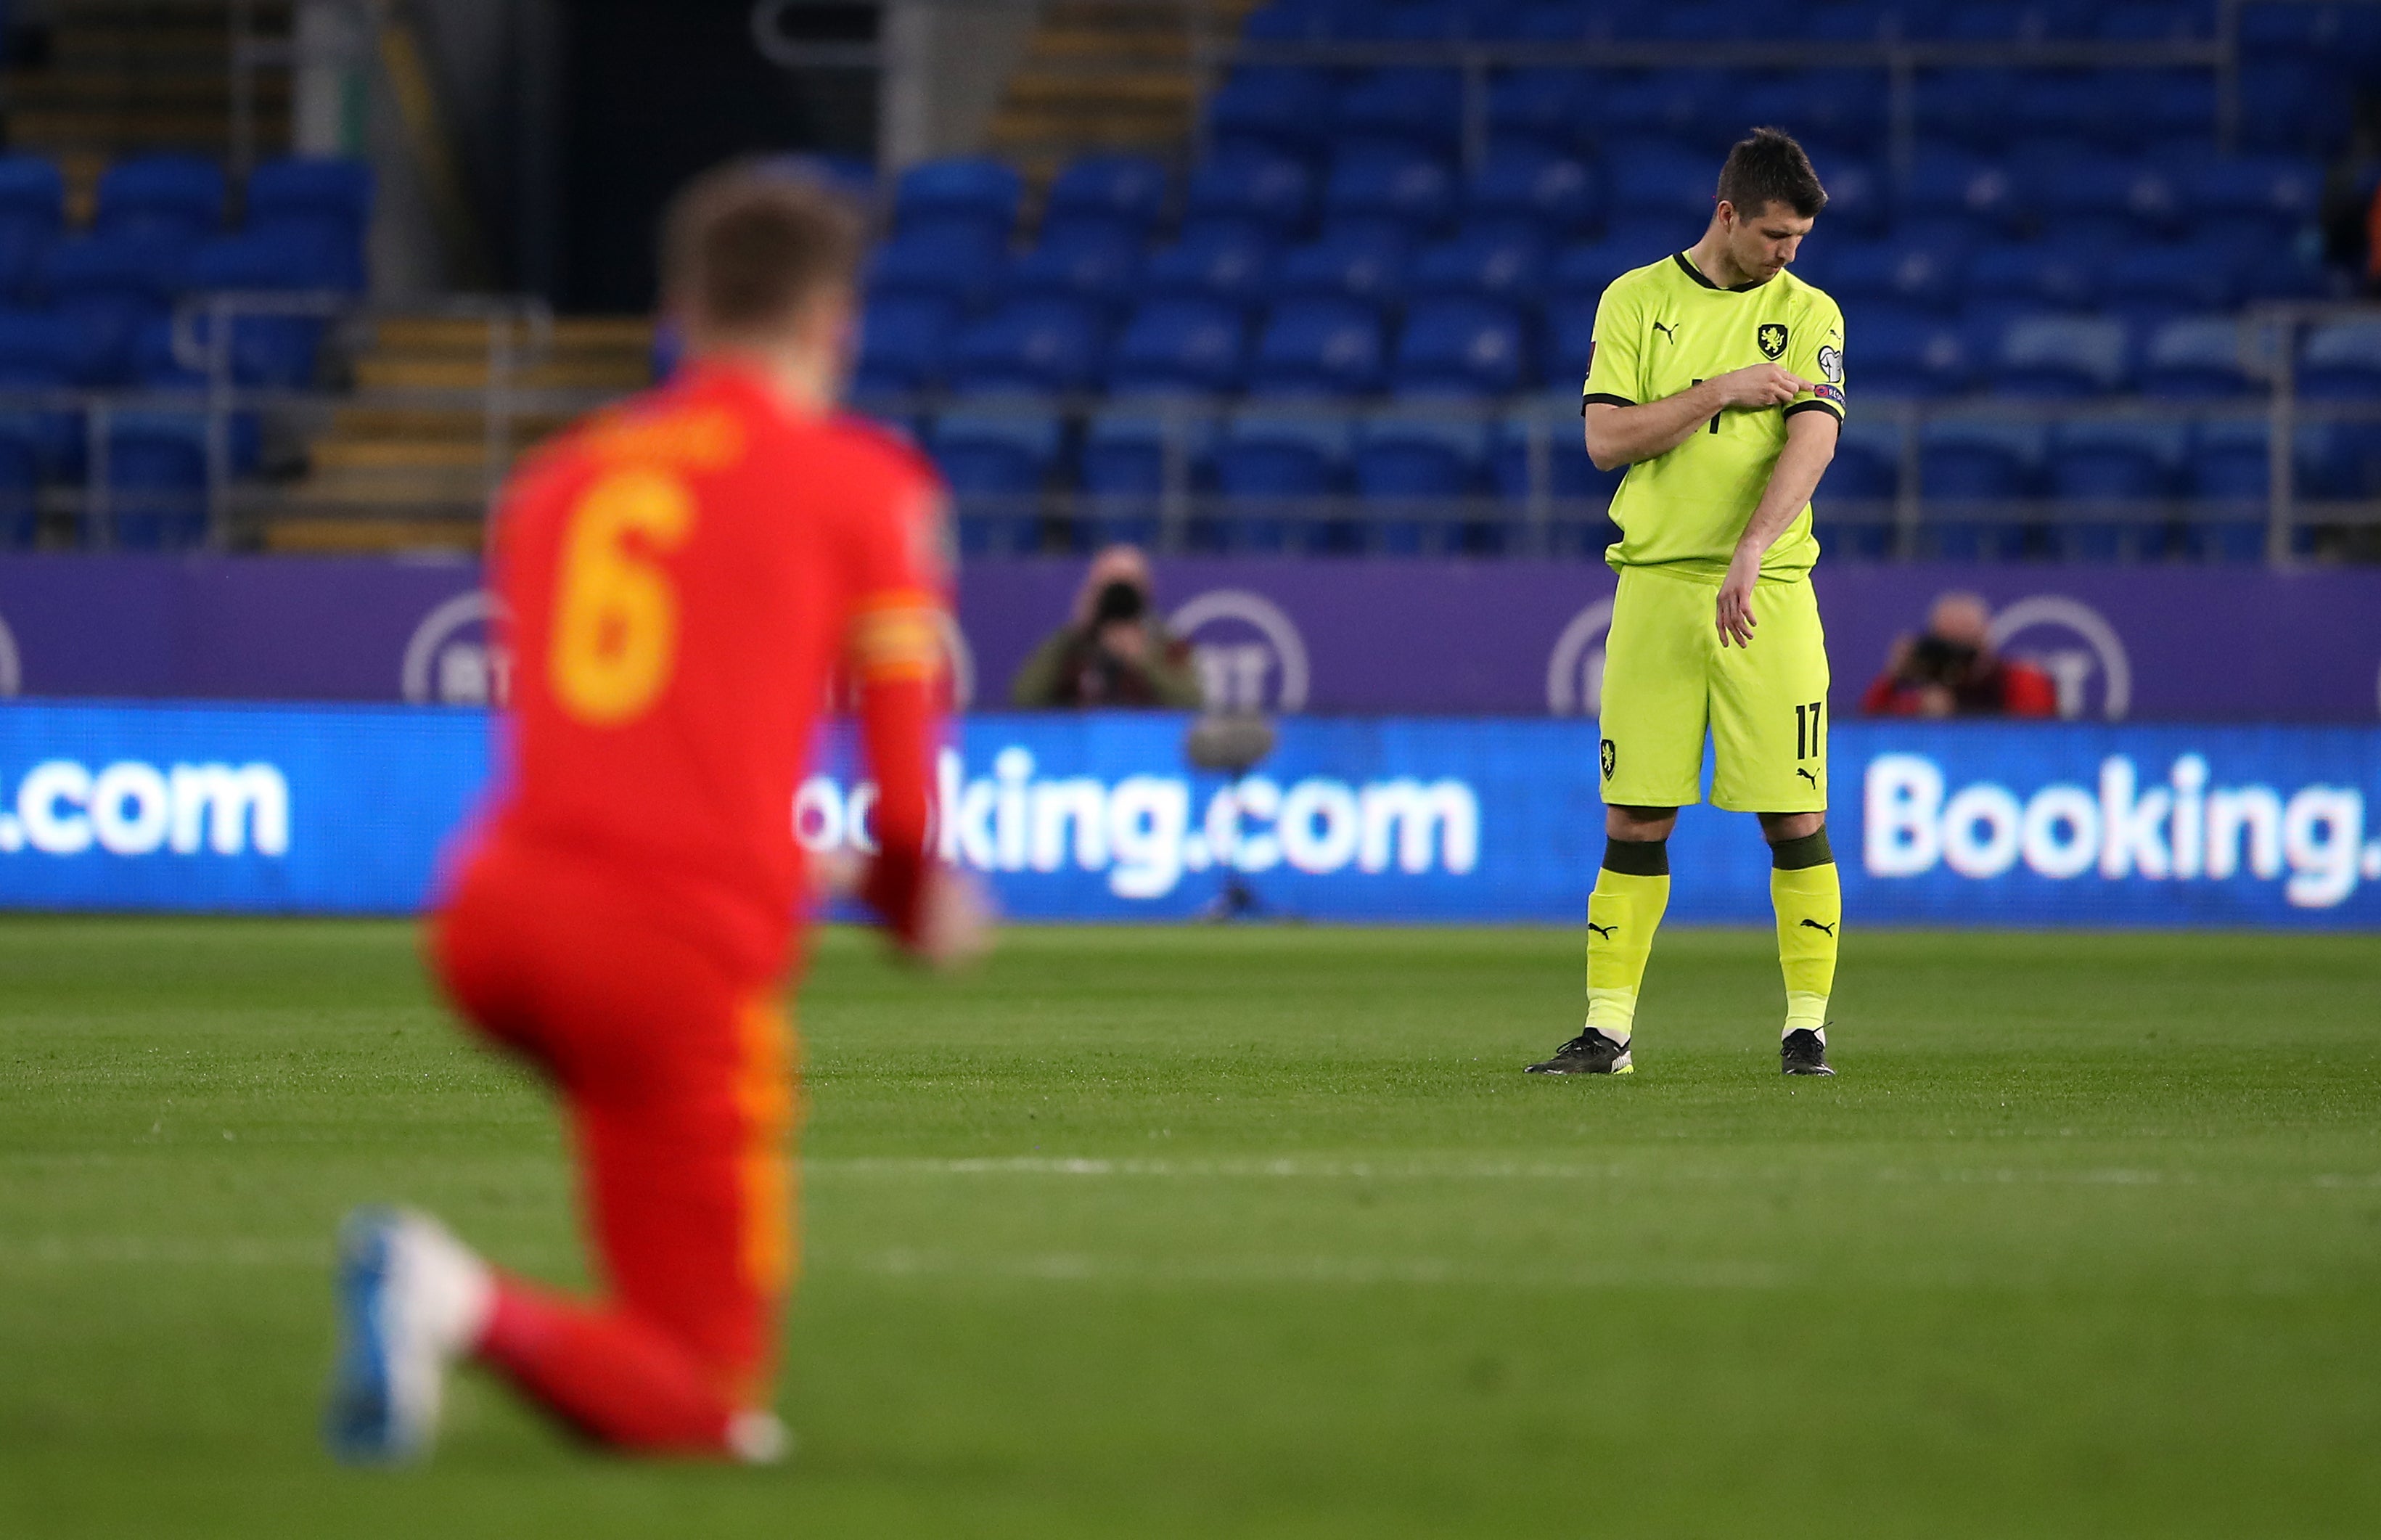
1768, 200
683, 576
1718, 381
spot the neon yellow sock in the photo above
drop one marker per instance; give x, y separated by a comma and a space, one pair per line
1810, 903
1622, 914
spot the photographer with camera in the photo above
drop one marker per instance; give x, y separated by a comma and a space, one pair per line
1953, 671
1116, 652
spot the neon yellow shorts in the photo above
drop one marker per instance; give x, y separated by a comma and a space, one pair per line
1668, 681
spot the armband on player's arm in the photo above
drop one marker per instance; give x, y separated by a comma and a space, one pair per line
896, 658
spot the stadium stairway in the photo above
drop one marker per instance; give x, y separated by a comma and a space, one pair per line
1105, 74
96, 79
391, 475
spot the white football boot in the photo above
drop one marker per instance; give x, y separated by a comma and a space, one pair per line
412, 1299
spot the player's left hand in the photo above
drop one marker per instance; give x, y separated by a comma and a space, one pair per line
1735, 617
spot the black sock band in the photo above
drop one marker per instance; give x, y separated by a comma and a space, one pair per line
1795, 855
1638, 858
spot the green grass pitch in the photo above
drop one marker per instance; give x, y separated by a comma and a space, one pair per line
1261, 1232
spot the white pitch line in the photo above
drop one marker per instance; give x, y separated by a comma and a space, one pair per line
1325, 1271
1638, 1173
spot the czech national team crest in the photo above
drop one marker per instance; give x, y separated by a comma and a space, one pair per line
1611, 758
1773, 341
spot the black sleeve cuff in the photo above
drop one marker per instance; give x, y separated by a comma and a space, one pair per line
1816, 406
1600, 400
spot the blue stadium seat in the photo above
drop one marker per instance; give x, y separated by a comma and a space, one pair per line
2007, 21
1125, 446
2060, 356
40, 351
1221, 259
1277, 469
1903, 352
1330, 346
961, 260
2310, 34
181, 196
2148, 284
21, 488
1680, 106
1389, 182
1307, 21
2156, 21
1488, 262
1129, 188
1530, 186
2109, 478
1853, 514
2101, 194
2173, 106
1661, 178
2037, 275
996, 456
902, 337
1857, 200
1463, 347
1262, 185
1987, 464
1560, 20
1278, 107
1439, 20
2279, 194
2227, 474
1867, 467
1919, 273
1408, 467
1570, 475
2197, 357
277, 352
1097, 262
106, 285
1584, 270
1566, 342
1028, 344
2341, 362
1196, 344
1851, 21
1547, 107
326, 201
32, 208
1946, 182
1965, 106
979, 188
2292, 106
1355, 263
1420, 108
157, 480
33, 187
1825, 108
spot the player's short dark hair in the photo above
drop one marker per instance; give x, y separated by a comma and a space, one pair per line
746, 246
1771, 168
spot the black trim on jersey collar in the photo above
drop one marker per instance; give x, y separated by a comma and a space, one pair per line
1695, 272
1815, 406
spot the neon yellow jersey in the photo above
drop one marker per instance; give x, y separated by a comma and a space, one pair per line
1659, 331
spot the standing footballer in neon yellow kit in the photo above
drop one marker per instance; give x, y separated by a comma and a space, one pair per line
1717, 380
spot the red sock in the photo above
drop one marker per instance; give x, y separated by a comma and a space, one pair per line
606, 1373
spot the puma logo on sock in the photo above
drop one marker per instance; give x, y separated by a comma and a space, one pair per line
1828, 930
1605, 931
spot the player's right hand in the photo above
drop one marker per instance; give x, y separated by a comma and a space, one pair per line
955, 920
1758, 386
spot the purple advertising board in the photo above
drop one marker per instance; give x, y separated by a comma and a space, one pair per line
1330, 638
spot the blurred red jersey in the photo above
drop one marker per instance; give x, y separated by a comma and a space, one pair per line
686, 579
